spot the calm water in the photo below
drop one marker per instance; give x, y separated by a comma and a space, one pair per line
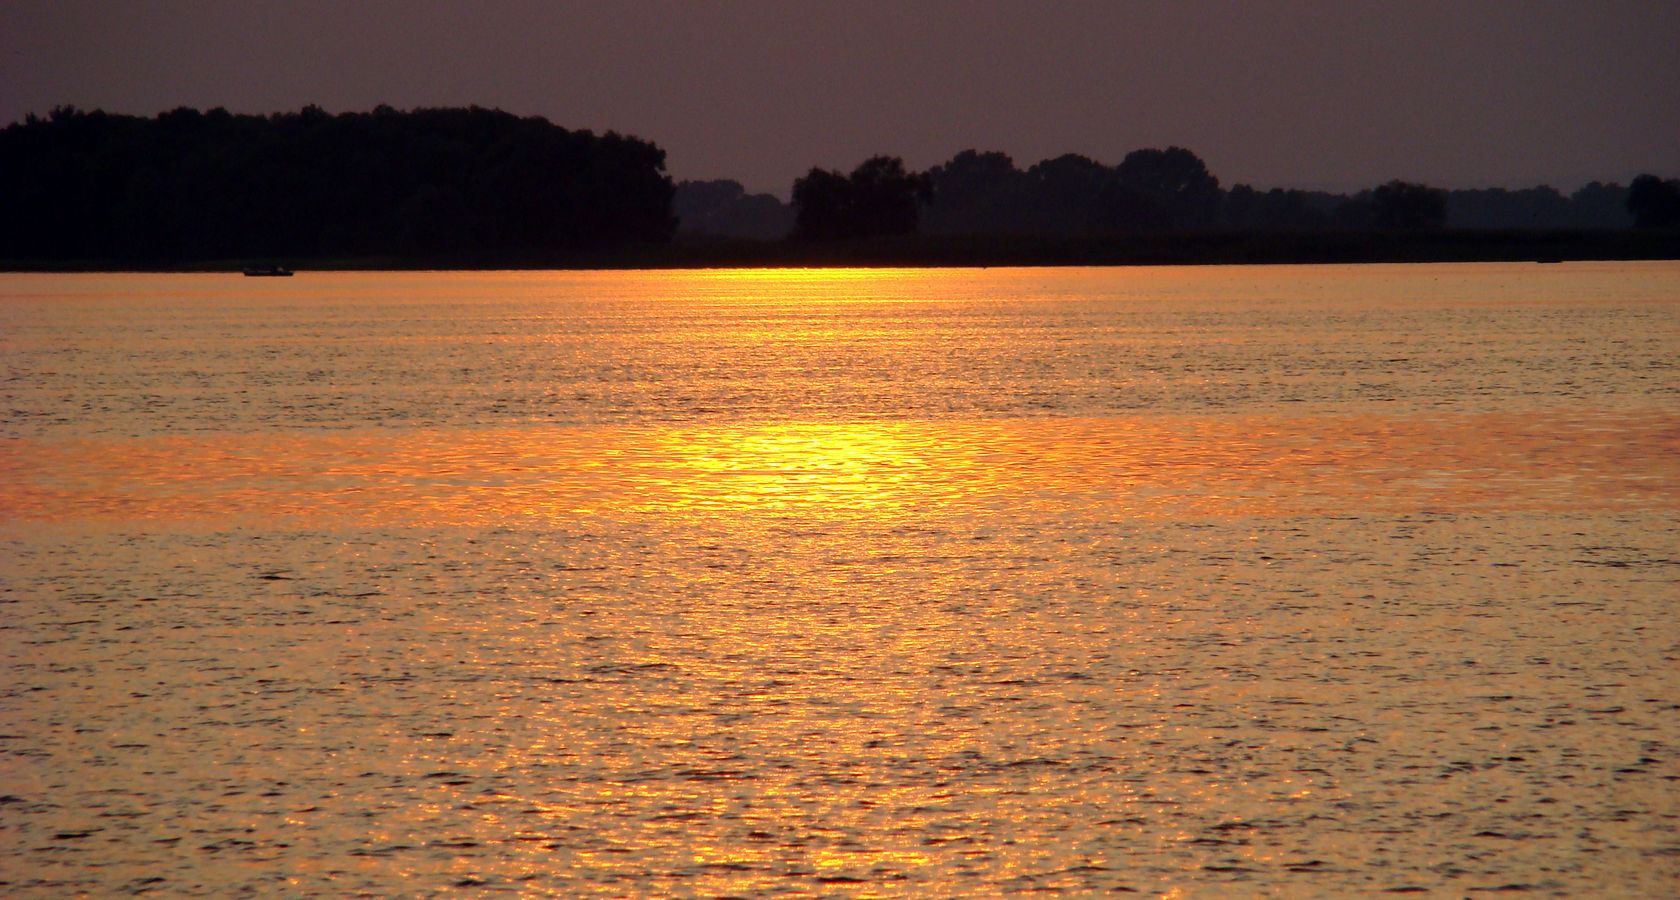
1198, 581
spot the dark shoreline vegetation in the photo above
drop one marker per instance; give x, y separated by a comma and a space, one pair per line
476, 188
923, 251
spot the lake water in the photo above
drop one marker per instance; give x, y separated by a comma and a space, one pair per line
856, 583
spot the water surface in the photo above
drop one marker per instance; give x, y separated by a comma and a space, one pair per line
842, 582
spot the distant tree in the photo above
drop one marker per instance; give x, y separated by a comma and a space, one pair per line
695, 198
724, 208
1599, 205
879, 198
1355, 213
1402, 204
1151, 190
1175, 181
979, 193
1654, 203
1067, 194
887, 199
972, 172
1277, 209
823, 204
1242, 204
187, 185
1121, 208
1535, 207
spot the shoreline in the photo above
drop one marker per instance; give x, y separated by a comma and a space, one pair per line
941, 251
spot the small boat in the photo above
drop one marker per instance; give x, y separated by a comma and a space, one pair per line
268, 272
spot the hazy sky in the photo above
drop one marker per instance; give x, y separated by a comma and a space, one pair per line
1340, 94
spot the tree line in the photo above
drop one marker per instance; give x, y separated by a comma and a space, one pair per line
1150, 191
430, 183
474, 185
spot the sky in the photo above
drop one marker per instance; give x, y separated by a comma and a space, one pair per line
1337, 95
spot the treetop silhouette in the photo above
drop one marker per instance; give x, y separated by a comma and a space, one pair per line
879, 198
431, 183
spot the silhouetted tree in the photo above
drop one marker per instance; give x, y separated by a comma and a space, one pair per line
1066, 192
1354, 213
724, 208
1598, 205
1173, 180
189, 185
696, 198
823, 203
1242, 207
979, 193
1535, 207
1152, 190
1155, 190
1654, 203
886, 198
1402, 204
1120, 208
879, 198
1276, 209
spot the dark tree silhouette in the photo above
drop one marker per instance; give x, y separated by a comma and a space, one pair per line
1153, 190
1242, 207
1247, 209
1402, 204
724, 208
979, 193
1654, 203
1065, 194
886, 198
477, 185
1535, 207
1599, 205
823, 204
188, 185
1355, 213
1175, 181
879, 198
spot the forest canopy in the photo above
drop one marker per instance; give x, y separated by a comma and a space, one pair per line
431, 183
474, 186
1149, 192
879, 198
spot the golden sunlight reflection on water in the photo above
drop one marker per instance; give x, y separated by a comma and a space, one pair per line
1265, 580
1142, 466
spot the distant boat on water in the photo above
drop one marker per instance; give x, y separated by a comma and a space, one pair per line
268, 272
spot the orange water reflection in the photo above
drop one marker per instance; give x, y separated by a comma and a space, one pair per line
856, 632
1134, 467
